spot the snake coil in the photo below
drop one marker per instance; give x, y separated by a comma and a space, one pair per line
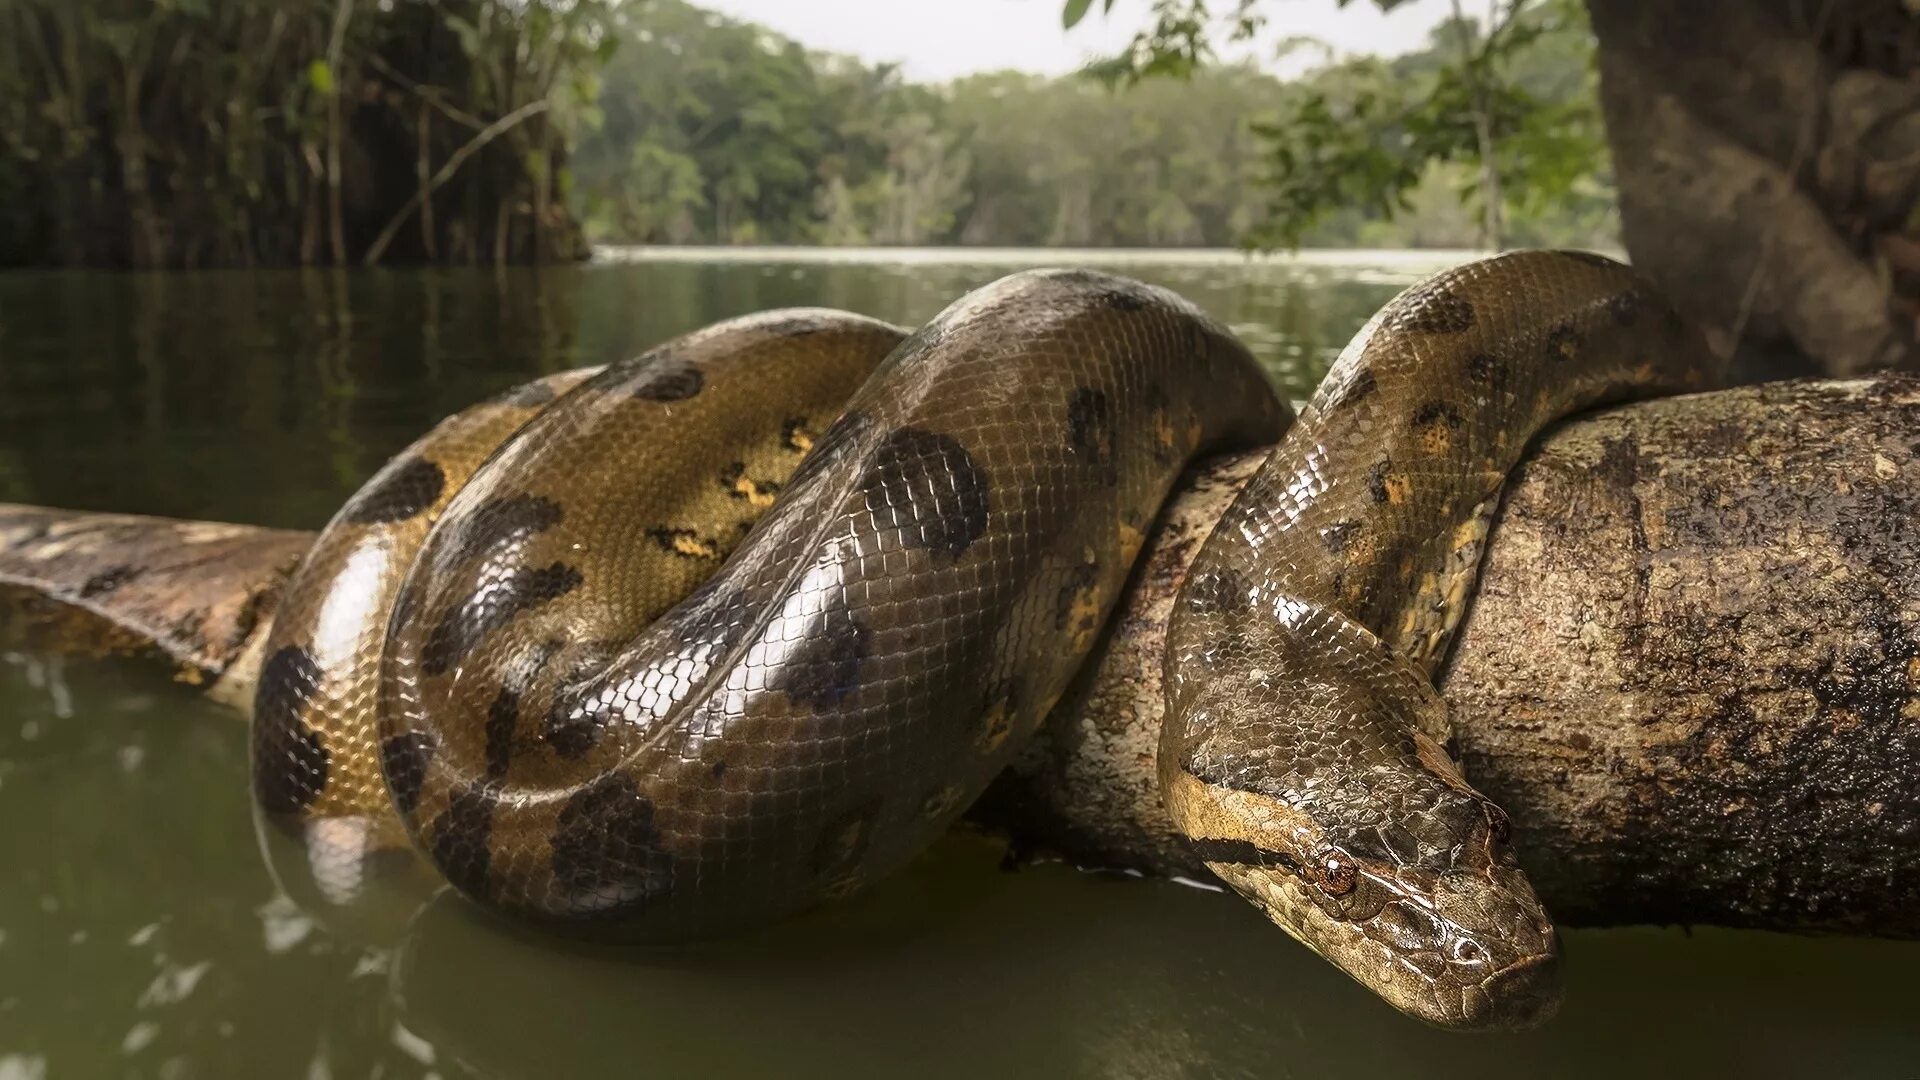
667, 649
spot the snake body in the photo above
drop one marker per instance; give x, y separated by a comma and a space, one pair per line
656, 652
1304, 745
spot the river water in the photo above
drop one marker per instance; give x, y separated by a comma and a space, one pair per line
141, 934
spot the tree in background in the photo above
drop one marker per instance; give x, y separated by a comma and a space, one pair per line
151, 133
719, 131
1767, 152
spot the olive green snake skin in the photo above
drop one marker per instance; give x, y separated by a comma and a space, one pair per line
732, 628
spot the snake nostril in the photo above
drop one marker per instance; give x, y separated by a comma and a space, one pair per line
1468, 951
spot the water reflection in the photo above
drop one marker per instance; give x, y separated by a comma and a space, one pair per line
141, 933
266, 397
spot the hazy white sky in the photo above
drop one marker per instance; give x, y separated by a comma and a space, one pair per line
942, 39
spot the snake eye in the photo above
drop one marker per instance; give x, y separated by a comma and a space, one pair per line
1337, 876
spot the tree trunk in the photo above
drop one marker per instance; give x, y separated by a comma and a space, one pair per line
1691, 673
1768, 160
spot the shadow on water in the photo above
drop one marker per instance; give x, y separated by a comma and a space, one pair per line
141, 934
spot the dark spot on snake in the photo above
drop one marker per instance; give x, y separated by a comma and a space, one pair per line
838, 440
685, 543
844, 839
571, 729
460, 837
738, 485
528, 395
1563, 343
492, 606
1480, 366
502, 521
1438, 412
108, 580
1219, 590
1338, 535
403, 760
607, 857
404, 488
719, 769
1377, 481
926, 487
1068, 604
1090, 433
1436, 310
666, 377
289, 759
1352, 391
1119, 299
794, 435
502, 716
825, 666
1624, 306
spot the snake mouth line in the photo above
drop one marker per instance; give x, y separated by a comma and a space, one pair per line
1523, 994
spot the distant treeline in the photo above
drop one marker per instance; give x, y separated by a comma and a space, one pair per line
154, 133
710, 130
169, 133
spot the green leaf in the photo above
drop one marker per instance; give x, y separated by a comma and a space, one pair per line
320, 77
1075, 10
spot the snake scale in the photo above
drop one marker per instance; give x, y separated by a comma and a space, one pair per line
735, 626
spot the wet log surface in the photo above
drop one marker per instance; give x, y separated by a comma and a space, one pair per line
1691, 674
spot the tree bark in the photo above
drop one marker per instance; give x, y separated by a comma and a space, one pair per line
1768, 161
1691, 672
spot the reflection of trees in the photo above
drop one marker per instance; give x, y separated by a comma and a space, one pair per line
263, 397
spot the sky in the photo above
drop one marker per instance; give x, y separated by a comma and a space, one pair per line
936, 40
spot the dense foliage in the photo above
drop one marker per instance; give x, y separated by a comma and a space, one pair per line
717, 131
1505, 110
219, 132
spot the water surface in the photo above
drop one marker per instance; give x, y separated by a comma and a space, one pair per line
140, 933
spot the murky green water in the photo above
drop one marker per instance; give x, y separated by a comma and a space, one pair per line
140, 933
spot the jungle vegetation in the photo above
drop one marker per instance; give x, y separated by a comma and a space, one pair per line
173, 133
176, 133
712, 130
1765, 153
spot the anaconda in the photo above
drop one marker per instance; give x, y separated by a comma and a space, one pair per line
655, 652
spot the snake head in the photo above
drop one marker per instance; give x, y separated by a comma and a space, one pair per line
1389, 866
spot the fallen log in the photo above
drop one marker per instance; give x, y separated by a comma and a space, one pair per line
1691, 674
